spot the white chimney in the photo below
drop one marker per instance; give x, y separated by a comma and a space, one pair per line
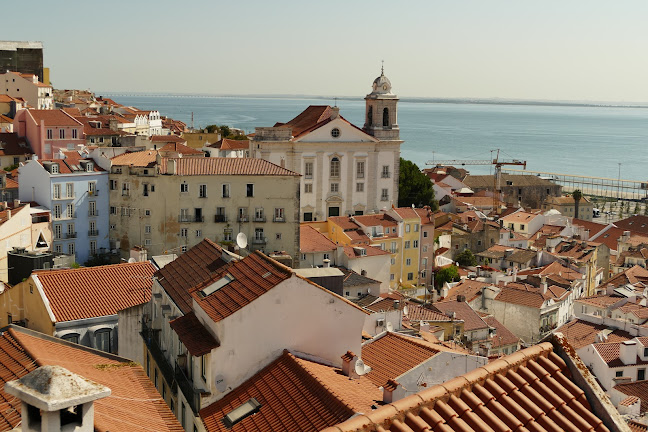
327, 263
392, 391
543, 284
335, 112
628, 352
349, 361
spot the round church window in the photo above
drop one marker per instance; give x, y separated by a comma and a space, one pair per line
335, 132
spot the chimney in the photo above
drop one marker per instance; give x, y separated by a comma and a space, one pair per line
543, 284
628, 352
8, 214
515, 270
327, 263
392, 391
335, 112
56, 400
16, 203
350, 365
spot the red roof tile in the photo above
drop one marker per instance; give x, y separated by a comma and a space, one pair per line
350, 252
295, 395
194, 335
181, 149
631, 276
168, 139
230, 144
382, 219
462, 311
225, 166
610, 352
311, 240
503, 336
470, 289
137, 159
13, 145
580, 333
53, 117
638, 389
635, 223
96, 291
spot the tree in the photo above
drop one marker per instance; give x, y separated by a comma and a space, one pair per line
225, 131
212, 128
414, 187
577, 195
466, 258
446, 274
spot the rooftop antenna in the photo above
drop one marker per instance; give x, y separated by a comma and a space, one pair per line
382, 67
335, 98
192, 121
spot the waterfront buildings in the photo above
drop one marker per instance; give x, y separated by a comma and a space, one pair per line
345, 170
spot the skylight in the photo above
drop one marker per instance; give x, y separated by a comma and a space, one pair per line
220, 283
250, 407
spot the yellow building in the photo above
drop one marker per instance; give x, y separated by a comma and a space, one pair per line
409, 223
200, 139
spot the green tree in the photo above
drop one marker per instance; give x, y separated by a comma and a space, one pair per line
414, 187
636, 208
577, 195
225, 131
212, 128
447, 274
646, 209
466, 258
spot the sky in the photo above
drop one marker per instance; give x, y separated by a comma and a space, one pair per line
577, 50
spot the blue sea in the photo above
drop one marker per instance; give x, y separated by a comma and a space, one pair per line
579, 140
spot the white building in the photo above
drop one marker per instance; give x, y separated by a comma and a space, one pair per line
345, 169
27, 86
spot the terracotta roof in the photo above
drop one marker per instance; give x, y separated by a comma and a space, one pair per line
637, 427
53, 117
637, 310
417, 313
610, 352
350, 252
225, 166
529, 390
566, 200
168, 139
344, 222
181, 149
194, 335
13, 145
253, 276
555, 268
470, 289
137, 159
629, 401
463, 311
637, 389
393, 354
230, 144
311, 240
519, 217
610, 237
191, 268
375, 220
503, 336
5, 119
631, 276
90, 292
71, 163
133, 406
407, 212
603, 301
310, 119
580, 333
352, 278
295, 395
636, 223
593, 227
520, 297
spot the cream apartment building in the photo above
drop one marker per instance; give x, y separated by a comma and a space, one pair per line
171, 204
346, 170
27, 86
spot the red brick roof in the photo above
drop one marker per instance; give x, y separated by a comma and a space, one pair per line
194, 335
13, 145
96, 291
295, 395
230, 144
180, 148
503, 336
631, 276
191, 268
311, 240
463, 311
225, 166
53, 118
470, 289
555, 268
253, 276
133, 406
417, 313
137, 159
393, 354
580, 333
638, 389
376, 220
610, 352
529, 390
344, 222
369, 251
636, 223
168, 139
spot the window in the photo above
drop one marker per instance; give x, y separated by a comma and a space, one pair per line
58, 248
258, 215
385, 171
62, 133
203, 367
308, 188
279, 215
184, 188
183, 415
619, 373
69, 190
113, 226
89, 165
393, 247
70, 210
93, 247
408, 262
393, 261
391, 277
147, 242
360, 169
92, 188
326, 256
70, 231
242, 214
641, 374
335, 132
359, 187
57, 191
386, 117
384, 195
407, 244
71, 337
147, 212
199, 233
9, 318
74, 134
278, 236
335, 168
415, 244
113, 184
407, 228
258, 234
147, 229
249, 190
227, 235
410, 276
92, 208
71, 249
308, 216
184, 248
335, 187
57, 231
183, 232
425, 234
126, 189
645, 352
50, 134
416, 227
308, 170
425, 248
113, 210
202, 191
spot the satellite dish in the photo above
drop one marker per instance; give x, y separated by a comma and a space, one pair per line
405, 310
390, 327
220, 383
360, 367
241, 240
131, 260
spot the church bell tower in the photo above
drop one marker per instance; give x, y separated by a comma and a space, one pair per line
381, 112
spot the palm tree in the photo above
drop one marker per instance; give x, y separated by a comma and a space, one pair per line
577, 195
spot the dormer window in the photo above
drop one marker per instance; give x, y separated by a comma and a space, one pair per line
89, 167
54, 168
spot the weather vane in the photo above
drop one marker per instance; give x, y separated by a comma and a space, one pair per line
382, 67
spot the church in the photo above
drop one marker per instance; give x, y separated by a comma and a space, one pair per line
345, 169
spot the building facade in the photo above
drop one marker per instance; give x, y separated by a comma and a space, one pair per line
27, 87
49, 131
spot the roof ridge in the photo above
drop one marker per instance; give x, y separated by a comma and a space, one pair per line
59, 271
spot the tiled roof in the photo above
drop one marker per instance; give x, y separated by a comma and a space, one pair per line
520, 297
376, 220
311, 240
13, 145
344, 222
168, 139
638, 389
530, 390
407, 212
137, 159
636, 426
555, 268
519, 217
463, 311
225, 166
314, 115
53, 118
610, 352
566, 200
470, 289
180, 148
636, 223
631, 276
637, 310
369, 251
503, 336
71, 163
417, 313
629, 401
230, 144
194, 335
295, 395
352, 278
133, 406
393, 354
580, 333
253, 276
90, 292
191, 268
593, 227
603, 301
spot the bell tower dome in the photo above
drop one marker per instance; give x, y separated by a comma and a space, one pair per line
381, 113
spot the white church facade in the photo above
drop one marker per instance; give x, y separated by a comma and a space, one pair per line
346, 170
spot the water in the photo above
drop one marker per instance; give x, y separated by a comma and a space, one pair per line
575, 140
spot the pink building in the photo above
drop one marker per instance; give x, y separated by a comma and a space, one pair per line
49, 131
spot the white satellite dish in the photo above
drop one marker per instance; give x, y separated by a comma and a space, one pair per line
390, 327
405, 310
360, 367
241, 240
220, 383
131, 260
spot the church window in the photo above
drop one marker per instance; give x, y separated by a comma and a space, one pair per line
335, 132
386, 117
370, 116
335, 167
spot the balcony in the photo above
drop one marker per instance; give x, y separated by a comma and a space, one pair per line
70, 235
259, 240
93, 213
93, 233
191, 218
279, 219
62, 197
190, 393
93, 192
258, 218
150, 337
242, 218
220, 218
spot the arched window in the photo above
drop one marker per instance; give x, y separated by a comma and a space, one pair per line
386, 117
335, 167
370, 116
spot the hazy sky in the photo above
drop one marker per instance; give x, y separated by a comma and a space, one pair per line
557, 50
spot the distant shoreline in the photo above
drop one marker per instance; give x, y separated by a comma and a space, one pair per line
469, 101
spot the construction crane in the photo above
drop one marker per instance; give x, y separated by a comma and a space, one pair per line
497, 187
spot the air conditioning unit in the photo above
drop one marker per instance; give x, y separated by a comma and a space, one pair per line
380, 322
